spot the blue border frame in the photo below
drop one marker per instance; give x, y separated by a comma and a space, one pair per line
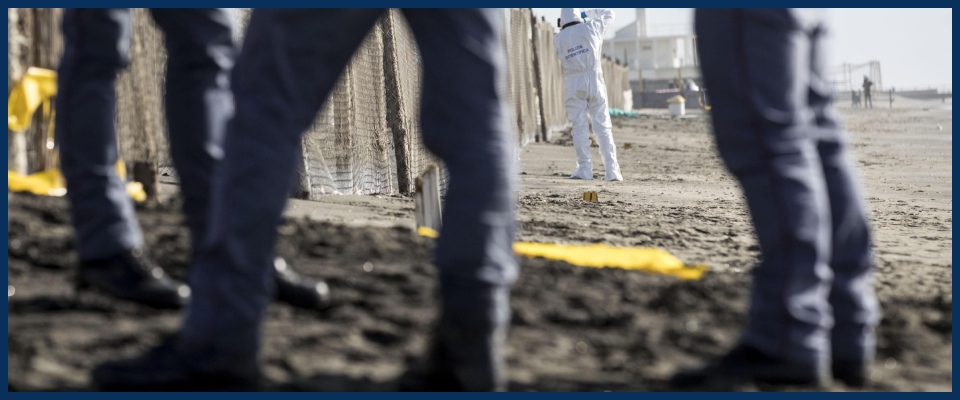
486, 4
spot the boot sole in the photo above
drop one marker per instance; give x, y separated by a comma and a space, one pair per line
81, 286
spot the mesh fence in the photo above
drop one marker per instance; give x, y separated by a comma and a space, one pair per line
554, 116
522, 92
367, 137
140, 118
403, 74
616, 79
348, 149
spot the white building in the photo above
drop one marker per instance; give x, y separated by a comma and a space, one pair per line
655, 51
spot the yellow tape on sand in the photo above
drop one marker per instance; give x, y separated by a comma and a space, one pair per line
603, 256
45, 183
36, 89
51, 183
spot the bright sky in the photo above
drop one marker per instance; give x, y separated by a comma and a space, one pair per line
914, 45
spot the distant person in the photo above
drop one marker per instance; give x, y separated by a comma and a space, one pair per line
585, 95
867, 97
812, 306
289, 65
892, 90
855, 98
200, 55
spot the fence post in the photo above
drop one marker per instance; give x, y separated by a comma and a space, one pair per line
145, 79
47, 48
427, 201
16, 41
394, 95
146, 172
301, 189
538, 77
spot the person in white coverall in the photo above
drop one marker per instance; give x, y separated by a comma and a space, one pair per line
578, 46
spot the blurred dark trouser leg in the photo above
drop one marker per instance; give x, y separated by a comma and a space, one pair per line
96, 44
198, 101
465, 123
289, 63
856, 310
109, 241
756, 67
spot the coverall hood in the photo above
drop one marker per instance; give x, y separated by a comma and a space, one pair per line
568, 15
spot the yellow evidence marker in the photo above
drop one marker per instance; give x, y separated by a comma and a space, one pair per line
590, 196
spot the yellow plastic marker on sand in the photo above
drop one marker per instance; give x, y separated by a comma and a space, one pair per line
590, 196
428, 232
603, 256
51, 183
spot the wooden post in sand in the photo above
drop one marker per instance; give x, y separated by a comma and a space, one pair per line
147, 173
16, 41
427, 198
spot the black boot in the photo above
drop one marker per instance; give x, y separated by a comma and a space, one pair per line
132, 276
298, 290
460, 360
168, 368
853, 373
745, 364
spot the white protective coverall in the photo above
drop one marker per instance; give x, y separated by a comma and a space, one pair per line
578, 47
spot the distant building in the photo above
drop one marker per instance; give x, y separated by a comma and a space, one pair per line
655, 52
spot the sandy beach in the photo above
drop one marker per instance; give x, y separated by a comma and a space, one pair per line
573, 328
